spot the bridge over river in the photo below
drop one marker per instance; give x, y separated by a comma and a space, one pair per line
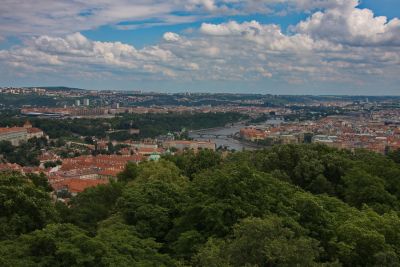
210, 135
223, 136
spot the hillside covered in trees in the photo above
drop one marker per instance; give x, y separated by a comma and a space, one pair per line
292, 205
150, 125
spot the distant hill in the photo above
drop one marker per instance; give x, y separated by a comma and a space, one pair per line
59, 88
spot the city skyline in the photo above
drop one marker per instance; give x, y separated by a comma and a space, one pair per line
344, 47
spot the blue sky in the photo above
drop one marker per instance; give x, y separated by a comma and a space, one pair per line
260, 46
151, 35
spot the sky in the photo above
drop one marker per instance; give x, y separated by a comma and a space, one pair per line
319, 47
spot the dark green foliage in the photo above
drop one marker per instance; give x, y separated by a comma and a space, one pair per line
293, 205
67, 245
395, 155
24, 204
52, 164
130, 173
271, 241
152, 201
93, 205
17, 101
150, 125
40, 180
26, 153
359, 178
151, 207
192, 163
126, 248
360, 188
218, 199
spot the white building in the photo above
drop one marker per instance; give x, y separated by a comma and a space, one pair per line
15, 135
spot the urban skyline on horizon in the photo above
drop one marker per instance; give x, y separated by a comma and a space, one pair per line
188, 91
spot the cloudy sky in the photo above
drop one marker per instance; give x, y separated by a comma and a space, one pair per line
253, 46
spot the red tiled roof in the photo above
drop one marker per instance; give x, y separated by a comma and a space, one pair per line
12, 129
10, 167
149, 150
78, 185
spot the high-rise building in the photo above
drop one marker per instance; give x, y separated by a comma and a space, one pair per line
86, 102
77, 102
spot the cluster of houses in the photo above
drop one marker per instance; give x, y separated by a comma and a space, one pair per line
344, 132
73, 175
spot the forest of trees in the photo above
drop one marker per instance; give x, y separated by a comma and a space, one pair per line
26, 154
150, 125
17, 101
291, 205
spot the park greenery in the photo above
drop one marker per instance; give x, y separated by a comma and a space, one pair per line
26, 154
290, 205
18, 101
60, 131
149, 125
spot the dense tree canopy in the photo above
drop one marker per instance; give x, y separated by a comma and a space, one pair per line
292, 205
26, 154
24, 204
150, 125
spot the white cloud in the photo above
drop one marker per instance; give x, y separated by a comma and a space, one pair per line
340, 43
351, 26
61, 17
20, 17
171, 37
270, 36
324, 4
208, 5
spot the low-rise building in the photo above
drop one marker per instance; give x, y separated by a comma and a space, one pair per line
182, 145
15, 135
75, 186
252, 134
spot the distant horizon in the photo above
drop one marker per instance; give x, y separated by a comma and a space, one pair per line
197, 92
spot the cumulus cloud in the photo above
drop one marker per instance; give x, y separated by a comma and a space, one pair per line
339, 42
270, 36
20, 17
351, 26
247, 51
171, 37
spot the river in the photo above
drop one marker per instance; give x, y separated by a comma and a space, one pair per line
225, 134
